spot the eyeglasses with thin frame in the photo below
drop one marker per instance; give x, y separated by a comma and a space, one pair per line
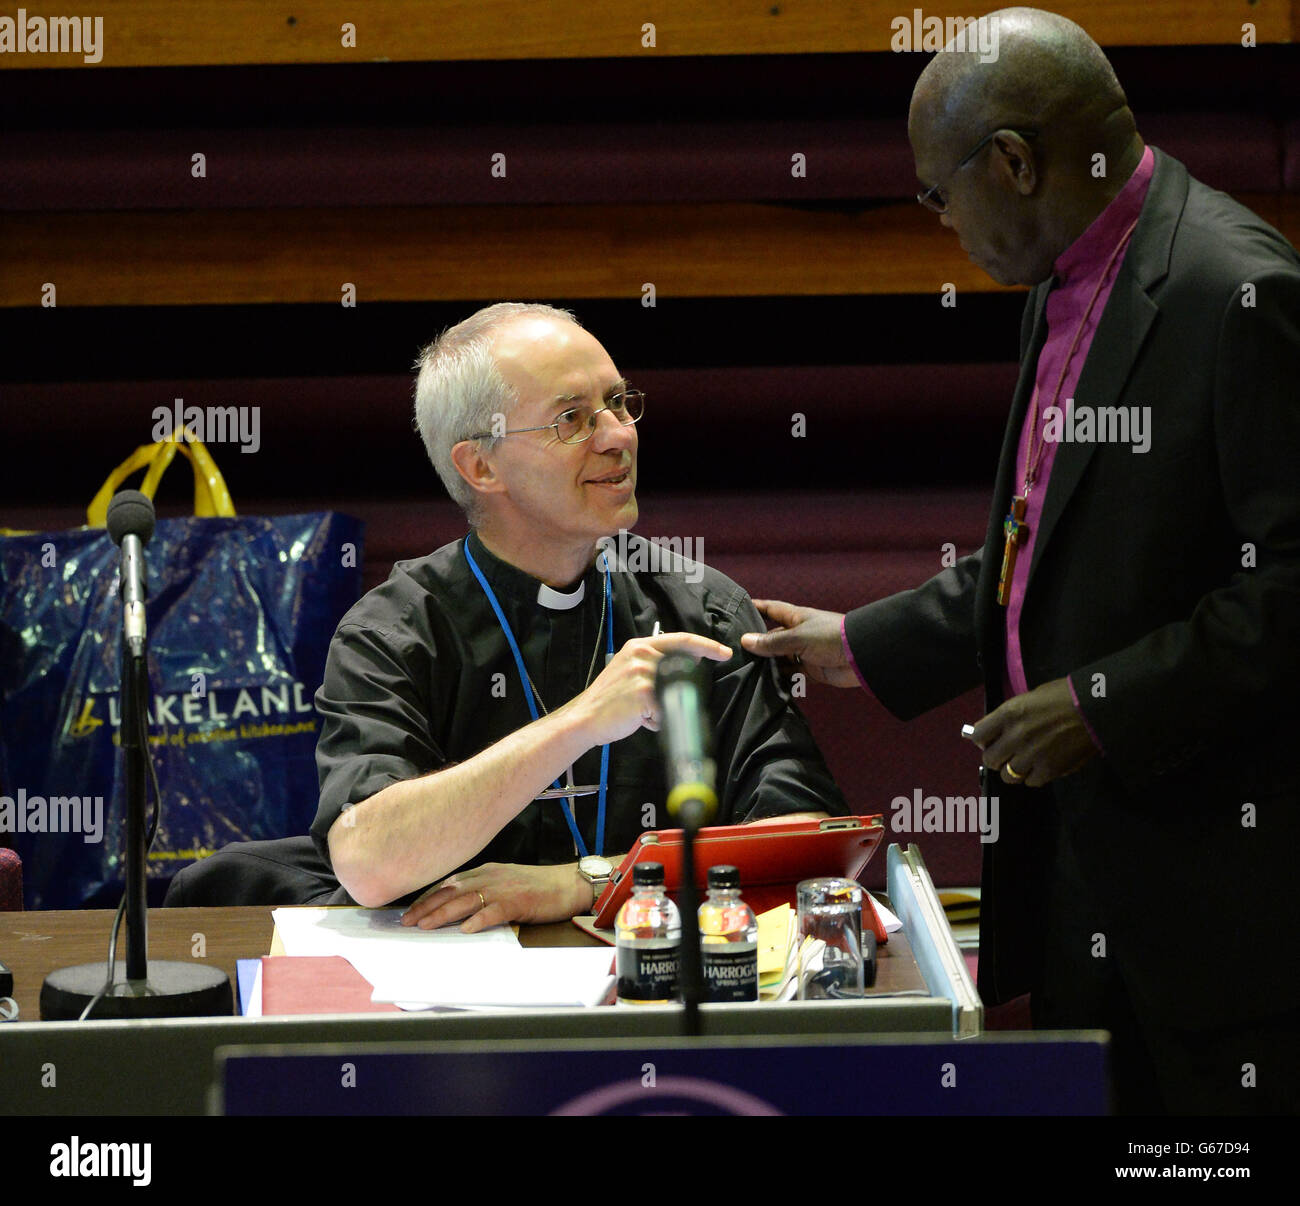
933, 198
578, 423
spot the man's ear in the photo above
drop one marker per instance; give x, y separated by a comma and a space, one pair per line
475, 468
1017, 162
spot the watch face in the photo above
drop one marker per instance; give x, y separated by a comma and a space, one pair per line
595, 867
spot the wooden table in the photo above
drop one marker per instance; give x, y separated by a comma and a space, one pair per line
166, 1066
37, 943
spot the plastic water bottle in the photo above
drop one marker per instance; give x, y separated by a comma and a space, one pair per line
648, 932
728, 940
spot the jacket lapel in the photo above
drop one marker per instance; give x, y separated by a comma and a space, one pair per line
1120, 335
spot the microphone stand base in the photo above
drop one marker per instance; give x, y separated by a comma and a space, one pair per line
171, 990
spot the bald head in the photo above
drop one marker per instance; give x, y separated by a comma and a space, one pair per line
1046, 77
1047, 74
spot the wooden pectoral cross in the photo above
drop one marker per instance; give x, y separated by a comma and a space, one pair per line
1015, 529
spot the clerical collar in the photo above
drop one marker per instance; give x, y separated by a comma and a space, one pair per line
522, 585
1090, 251
558, 600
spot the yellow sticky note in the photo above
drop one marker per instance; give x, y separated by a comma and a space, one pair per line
773, 940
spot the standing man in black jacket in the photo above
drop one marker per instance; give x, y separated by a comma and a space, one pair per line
1134, 614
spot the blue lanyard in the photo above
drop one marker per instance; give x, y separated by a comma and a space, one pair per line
532, 703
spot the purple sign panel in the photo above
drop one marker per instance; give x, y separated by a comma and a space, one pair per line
977, 1076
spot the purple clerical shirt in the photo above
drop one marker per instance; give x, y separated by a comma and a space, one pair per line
1085, 267
1089, 265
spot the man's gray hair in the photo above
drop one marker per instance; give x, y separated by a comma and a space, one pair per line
458, 388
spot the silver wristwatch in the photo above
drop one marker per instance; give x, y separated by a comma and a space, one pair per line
596, 871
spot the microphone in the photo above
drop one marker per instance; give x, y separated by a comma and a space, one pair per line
170, 989
681, 687
130, 524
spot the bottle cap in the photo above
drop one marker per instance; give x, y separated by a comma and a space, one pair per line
724, 876
648, 875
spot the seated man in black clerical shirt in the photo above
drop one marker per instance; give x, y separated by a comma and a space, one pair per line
468, 692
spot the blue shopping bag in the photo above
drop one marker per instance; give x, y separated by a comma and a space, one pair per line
240, 614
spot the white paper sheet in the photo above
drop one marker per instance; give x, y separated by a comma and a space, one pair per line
374, 941
424, 968
539, 977
889, 919
312, 931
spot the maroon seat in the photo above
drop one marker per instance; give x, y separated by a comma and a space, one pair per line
11, 881
857, 159
1291, 156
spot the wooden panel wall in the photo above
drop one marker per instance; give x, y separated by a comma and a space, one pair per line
217, 32
482, 253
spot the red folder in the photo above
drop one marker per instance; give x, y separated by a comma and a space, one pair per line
316, 984
772, 860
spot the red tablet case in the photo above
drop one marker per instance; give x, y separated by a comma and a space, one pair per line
771, 858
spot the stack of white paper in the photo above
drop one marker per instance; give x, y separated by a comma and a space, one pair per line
521, 978
420, 969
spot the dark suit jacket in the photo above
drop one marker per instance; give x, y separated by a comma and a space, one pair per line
1183, 649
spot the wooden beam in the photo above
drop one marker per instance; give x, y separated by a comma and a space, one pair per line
475, 253
163, 33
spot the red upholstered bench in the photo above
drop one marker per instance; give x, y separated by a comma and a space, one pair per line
11, 881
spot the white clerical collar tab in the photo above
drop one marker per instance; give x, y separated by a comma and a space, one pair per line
557, 600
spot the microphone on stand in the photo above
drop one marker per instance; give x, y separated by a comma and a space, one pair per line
682, 687
130, 523
138, 989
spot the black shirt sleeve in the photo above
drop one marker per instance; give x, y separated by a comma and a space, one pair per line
406, 691
375, 722
768, 762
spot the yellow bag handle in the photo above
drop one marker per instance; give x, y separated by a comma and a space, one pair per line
211, 497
